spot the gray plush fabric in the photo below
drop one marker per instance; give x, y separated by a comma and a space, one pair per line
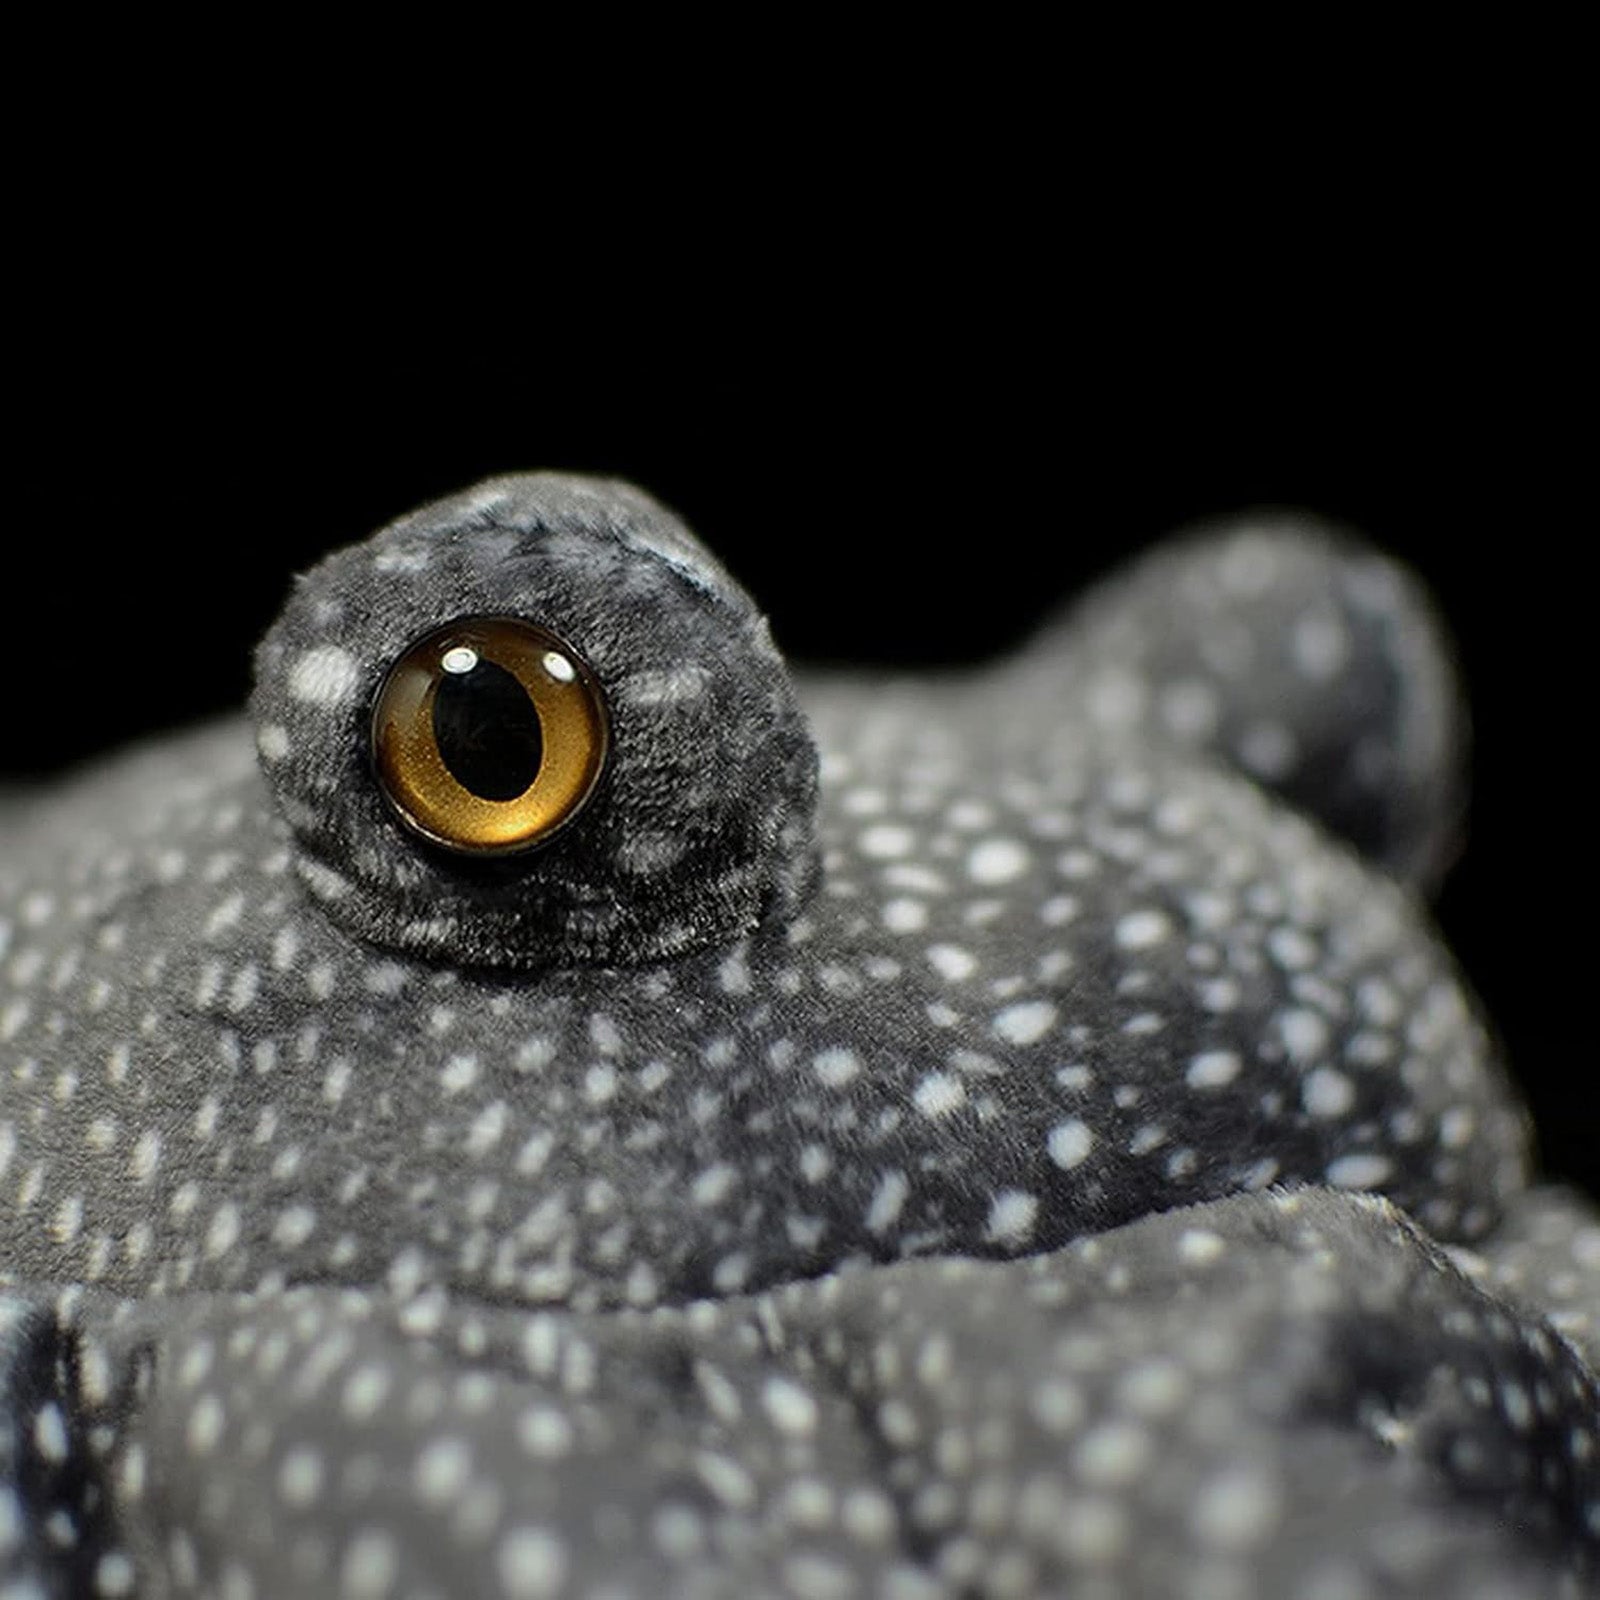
379, 1227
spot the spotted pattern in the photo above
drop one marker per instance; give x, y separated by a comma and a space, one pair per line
339, 1266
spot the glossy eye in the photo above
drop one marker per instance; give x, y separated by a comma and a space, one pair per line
488, 735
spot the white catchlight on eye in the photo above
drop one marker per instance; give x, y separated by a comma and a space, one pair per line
461, 660
559, 667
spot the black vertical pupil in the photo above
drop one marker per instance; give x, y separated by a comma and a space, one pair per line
487, 731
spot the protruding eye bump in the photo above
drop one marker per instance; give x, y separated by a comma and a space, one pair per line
489, 735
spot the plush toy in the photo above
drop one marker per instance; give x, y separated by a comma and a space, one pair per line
555, 1106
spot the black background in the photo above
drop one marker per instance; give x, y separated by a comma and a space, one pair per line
907, 447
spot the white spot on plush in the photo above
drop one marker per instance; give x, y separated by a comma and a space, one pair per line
68, 1219
713, 1185
364, 1392
644, 852
146, 1155
1012, 1216
205, 1425
133, 1472
336, 1081
1059, 910
1113, 1454
1249, 563
323, 879
442, 1470
1516, 1405
223, 1233
198, 1360
325, 676
792, 1409
113, 1576
733, 975
1070, 1142
885, 840
887, 1200
12, 1017
1212, 1069
1200, 1246
815, 1163
867, 1515
1319, 645
836, 1067
535, 1053
1291, 949
1363, 1171
905, 915
225, 917
679, 1532
1116, 698
1093, 1530
545, 1432
668, 686
1190, 709
295, 1224
1236, 1510
914, 876
487, 1128
721, 1396
532, 1563
300, 1477
38, 908
414, 560
1141, 929
997, 861
95, 1372
272, 740
1305, 1034
938, 1094
458, 1074
1058, 1405
726, 1479
809, 1576
1027, 1022
50, 1433
1153, 1388
1326, 1093
371, 1564
952, 962
244, 988
1268, 750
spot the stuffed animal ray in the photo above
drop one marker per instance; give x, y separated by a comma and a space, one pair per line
556, 1105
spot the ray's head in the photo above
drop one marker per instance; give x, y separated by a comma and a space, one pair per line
532, 724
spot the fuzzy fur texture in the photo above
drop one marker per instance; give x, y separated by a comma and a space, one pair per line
706, 818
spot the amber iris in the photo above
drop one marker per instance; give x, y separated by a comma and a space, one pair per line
489, 735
